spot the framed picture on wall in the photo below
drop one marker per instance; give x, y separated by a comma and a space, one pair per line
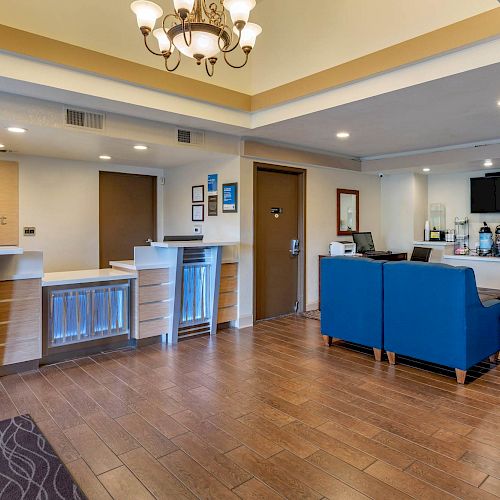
198, 194
198, 213
230, 198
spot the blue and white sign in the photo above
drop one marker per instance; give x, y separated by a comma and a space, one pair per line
212, 183
230, 197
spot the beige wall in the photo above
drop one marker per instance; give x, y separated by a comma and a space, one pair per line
179, 181
404, 210
61, 199
321, 217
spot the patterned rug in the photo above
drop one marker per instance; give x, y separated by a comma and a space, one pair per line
312, 315
29, 467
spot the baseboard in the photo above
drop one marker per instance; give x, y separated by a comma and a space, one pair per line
244, 321
25, 366
312, 306
157, 339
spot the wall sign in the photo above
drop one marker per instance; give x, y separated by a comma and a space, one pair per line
230, 198
213, 180
213, 201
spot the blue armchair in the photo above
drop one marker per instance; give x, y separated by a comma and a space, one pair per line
351, 301
432, 312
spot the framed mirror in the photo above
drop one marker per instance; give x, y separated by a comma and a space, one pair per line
347, 211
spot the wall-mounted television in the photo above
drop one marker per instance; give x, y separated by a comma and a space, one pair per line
485, 195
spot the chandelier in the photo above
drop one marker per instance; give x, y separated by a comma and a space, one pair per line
199, 31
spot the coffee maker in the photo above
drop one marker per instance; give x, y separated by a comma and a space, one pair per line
496, 242
485, 240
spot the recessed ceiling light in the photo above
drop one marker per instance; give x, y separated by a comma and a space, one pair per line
343, 135
488, 163
105, 157
498, 103
426, 169
2, 146
16, 130
140, 147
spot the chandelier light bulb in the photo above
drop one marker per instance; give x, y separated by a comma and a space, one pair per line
249, 35
183, 6
163, 41
239, 10
147, 13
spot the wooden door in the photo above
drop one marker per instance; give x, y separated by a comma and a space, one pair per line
9, 203
127, 214
276, 225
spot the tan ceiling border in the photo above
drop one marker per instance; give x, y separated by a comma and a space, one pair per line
456, 36
65, 54
444, 40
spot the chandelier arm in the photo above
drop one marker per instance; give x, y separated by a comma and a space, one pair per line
232, 65
208, 71
171, 70
150, 50
235, 45
184, 32
165, 29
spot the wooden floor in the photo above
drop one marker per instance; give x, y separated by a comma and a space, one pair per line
266, 412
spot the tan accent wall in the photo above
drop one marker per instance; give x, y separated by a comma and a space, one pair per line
280, 154
454, 37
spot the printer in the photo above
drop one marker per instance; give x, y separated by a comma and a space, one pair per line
347, 248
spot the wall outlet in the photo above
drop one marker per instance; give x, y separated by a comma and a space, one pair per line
198, 229
29, 231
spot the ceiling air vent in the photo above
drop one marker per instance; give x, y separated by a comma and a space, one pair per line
84, 119
192, 137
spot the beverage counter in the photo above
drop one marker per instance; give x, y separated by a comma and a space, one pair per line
486, 269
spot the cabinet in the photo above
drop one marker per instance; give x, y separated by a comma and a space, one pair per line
9, 203
228, 293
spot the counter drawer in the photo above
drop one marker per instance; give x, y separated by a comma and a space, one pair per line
154, 328
229, 270
228, 299
20, 331
228, 285
20, 289
155, 310
154, 293
18, 311
18, 352
153, 277
227, 314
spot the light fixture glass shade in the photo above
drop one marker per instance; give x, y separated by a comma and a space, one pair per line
249, 34
184, 4
163, 41
239, 9
202, 44
146, 12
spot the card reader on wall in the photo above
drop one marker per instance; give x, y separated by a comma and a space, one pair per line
347, 248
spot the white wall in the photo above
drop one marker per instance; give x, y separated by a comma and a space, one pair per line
61, 199
453, 190
179, 181
404, 210
321, 224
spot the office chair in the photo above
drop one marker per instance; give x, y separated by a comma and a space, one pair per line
421, 254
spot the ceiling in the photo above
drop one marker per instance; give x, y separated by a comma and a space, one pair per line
327, 33
72, 144
459, 109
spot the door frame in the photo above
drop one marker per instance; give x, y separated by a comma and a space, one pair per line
302, 193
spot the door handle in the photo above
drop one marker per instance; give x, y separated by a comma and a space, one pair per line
149, 240
3, 220
294, 247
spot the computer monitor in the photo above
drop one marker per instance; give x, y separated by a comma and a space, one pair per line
364, 242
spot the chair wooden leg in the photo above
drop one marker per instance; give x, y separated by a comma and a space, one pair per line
494, 357
378, 354
461, 374
327, 341
392, 357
